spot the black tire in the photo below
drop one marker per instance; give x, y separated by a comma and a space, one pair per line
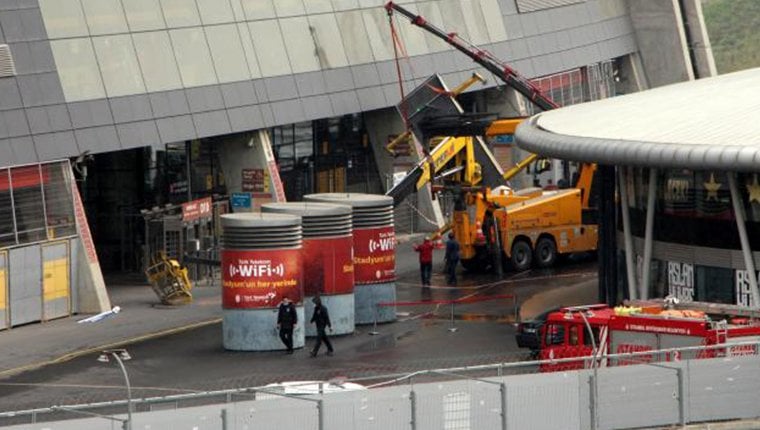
545, 253
479, 263
522, 255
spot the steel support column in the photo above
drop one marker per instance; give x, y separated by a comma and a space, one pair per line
749, 262
630, 267
605, 181
651, 194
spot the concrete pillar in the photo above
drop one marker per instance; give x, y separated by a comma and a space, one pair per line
701, 49
662, 42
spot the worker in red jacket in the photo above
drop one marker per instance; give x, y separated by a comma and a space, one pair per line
425, 250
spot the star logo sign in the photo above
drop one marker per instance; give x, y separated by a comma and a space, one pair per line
754, 190
712, 188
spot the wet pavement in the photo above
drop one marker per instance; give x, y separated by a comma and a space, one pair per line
179, 350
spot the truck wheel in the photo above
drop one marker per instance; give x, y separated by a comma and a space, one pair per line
546, 252
522, 255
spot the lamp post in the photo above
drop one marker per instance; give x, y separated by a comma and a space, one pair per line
121, 355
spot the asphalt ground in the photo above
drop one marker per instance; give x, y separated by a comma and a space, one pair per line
179, 350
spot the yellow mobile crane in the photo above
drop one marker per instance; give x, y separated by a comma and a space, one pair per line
527, 227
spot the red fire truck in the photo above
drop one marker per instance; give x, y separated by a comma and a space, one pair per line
645, 326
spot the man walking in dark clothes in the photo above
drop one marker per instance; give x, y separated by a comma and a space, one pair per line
322, 319
426, 260
287, 319
452, 259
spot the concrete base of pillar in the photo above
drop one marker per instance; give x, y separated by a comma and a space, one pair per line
367, 298
341, 310
256, 330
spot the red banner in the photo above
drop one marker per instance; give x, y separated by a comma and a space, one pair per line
260, 279
327, 266
374, 255
196, 209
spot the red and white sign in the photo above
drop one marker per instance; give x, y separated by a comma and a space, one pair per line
374, 255
328, 266
196, 209
260, 279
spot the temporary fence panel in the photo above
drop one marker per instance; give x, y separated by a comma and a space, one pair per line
56, 288
636, 396
723, 388
74, 275
280, 413
544, 401
25, 284
458, 405
4, 314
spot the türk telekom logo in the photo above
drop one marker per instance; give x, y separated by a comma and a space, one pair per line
256, 270
384, 244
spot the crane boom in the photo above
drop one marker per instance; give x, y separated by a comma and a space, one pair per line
484, 58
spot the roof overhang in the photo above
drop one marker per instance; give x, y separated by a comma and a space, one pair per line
707, 124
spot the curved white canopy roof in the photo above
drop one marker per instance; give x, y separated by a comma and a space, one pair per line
711, 123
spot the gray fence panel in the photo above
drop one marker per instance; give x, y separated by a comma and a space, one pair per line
637, 396
25, 285
274, 413
458, 405
543, 401
724, 388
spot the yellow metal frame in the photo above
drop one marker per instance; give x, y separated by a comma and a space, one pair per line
5, 288
67, 245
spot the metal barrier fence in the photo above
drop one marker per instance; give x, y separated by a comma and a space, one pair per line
494, 396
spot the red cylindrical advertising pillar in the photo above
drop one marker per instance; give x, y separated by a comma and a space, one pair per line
261, 265
328, 268
374, 253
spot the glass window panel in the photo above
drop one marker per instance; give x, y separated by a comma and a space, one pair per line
227, 52
376, 24
431, 11
494, 20
28, 204
250, 53
80, 77
59, 206
328, 41
143, 15
193, 57
355, 41
258, 9
215, 11
267, 40
180, 13
118, 65
345, 4
453, 20
63, 18
318, 6
157, 61
412, 37
7, 229
298, 39
289, 7
473, 18
104, 16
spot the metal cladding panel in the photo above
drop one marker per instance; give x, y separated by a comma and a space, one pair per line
621, 130
723, 388
56, 288
524, 6
637, 396
25, 290
4, 314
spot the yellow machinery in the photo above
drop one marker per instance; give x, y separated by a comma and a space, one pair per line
169, 280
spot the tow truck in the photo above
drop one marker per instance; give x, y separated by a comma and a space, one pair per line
594, 331
493, 224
